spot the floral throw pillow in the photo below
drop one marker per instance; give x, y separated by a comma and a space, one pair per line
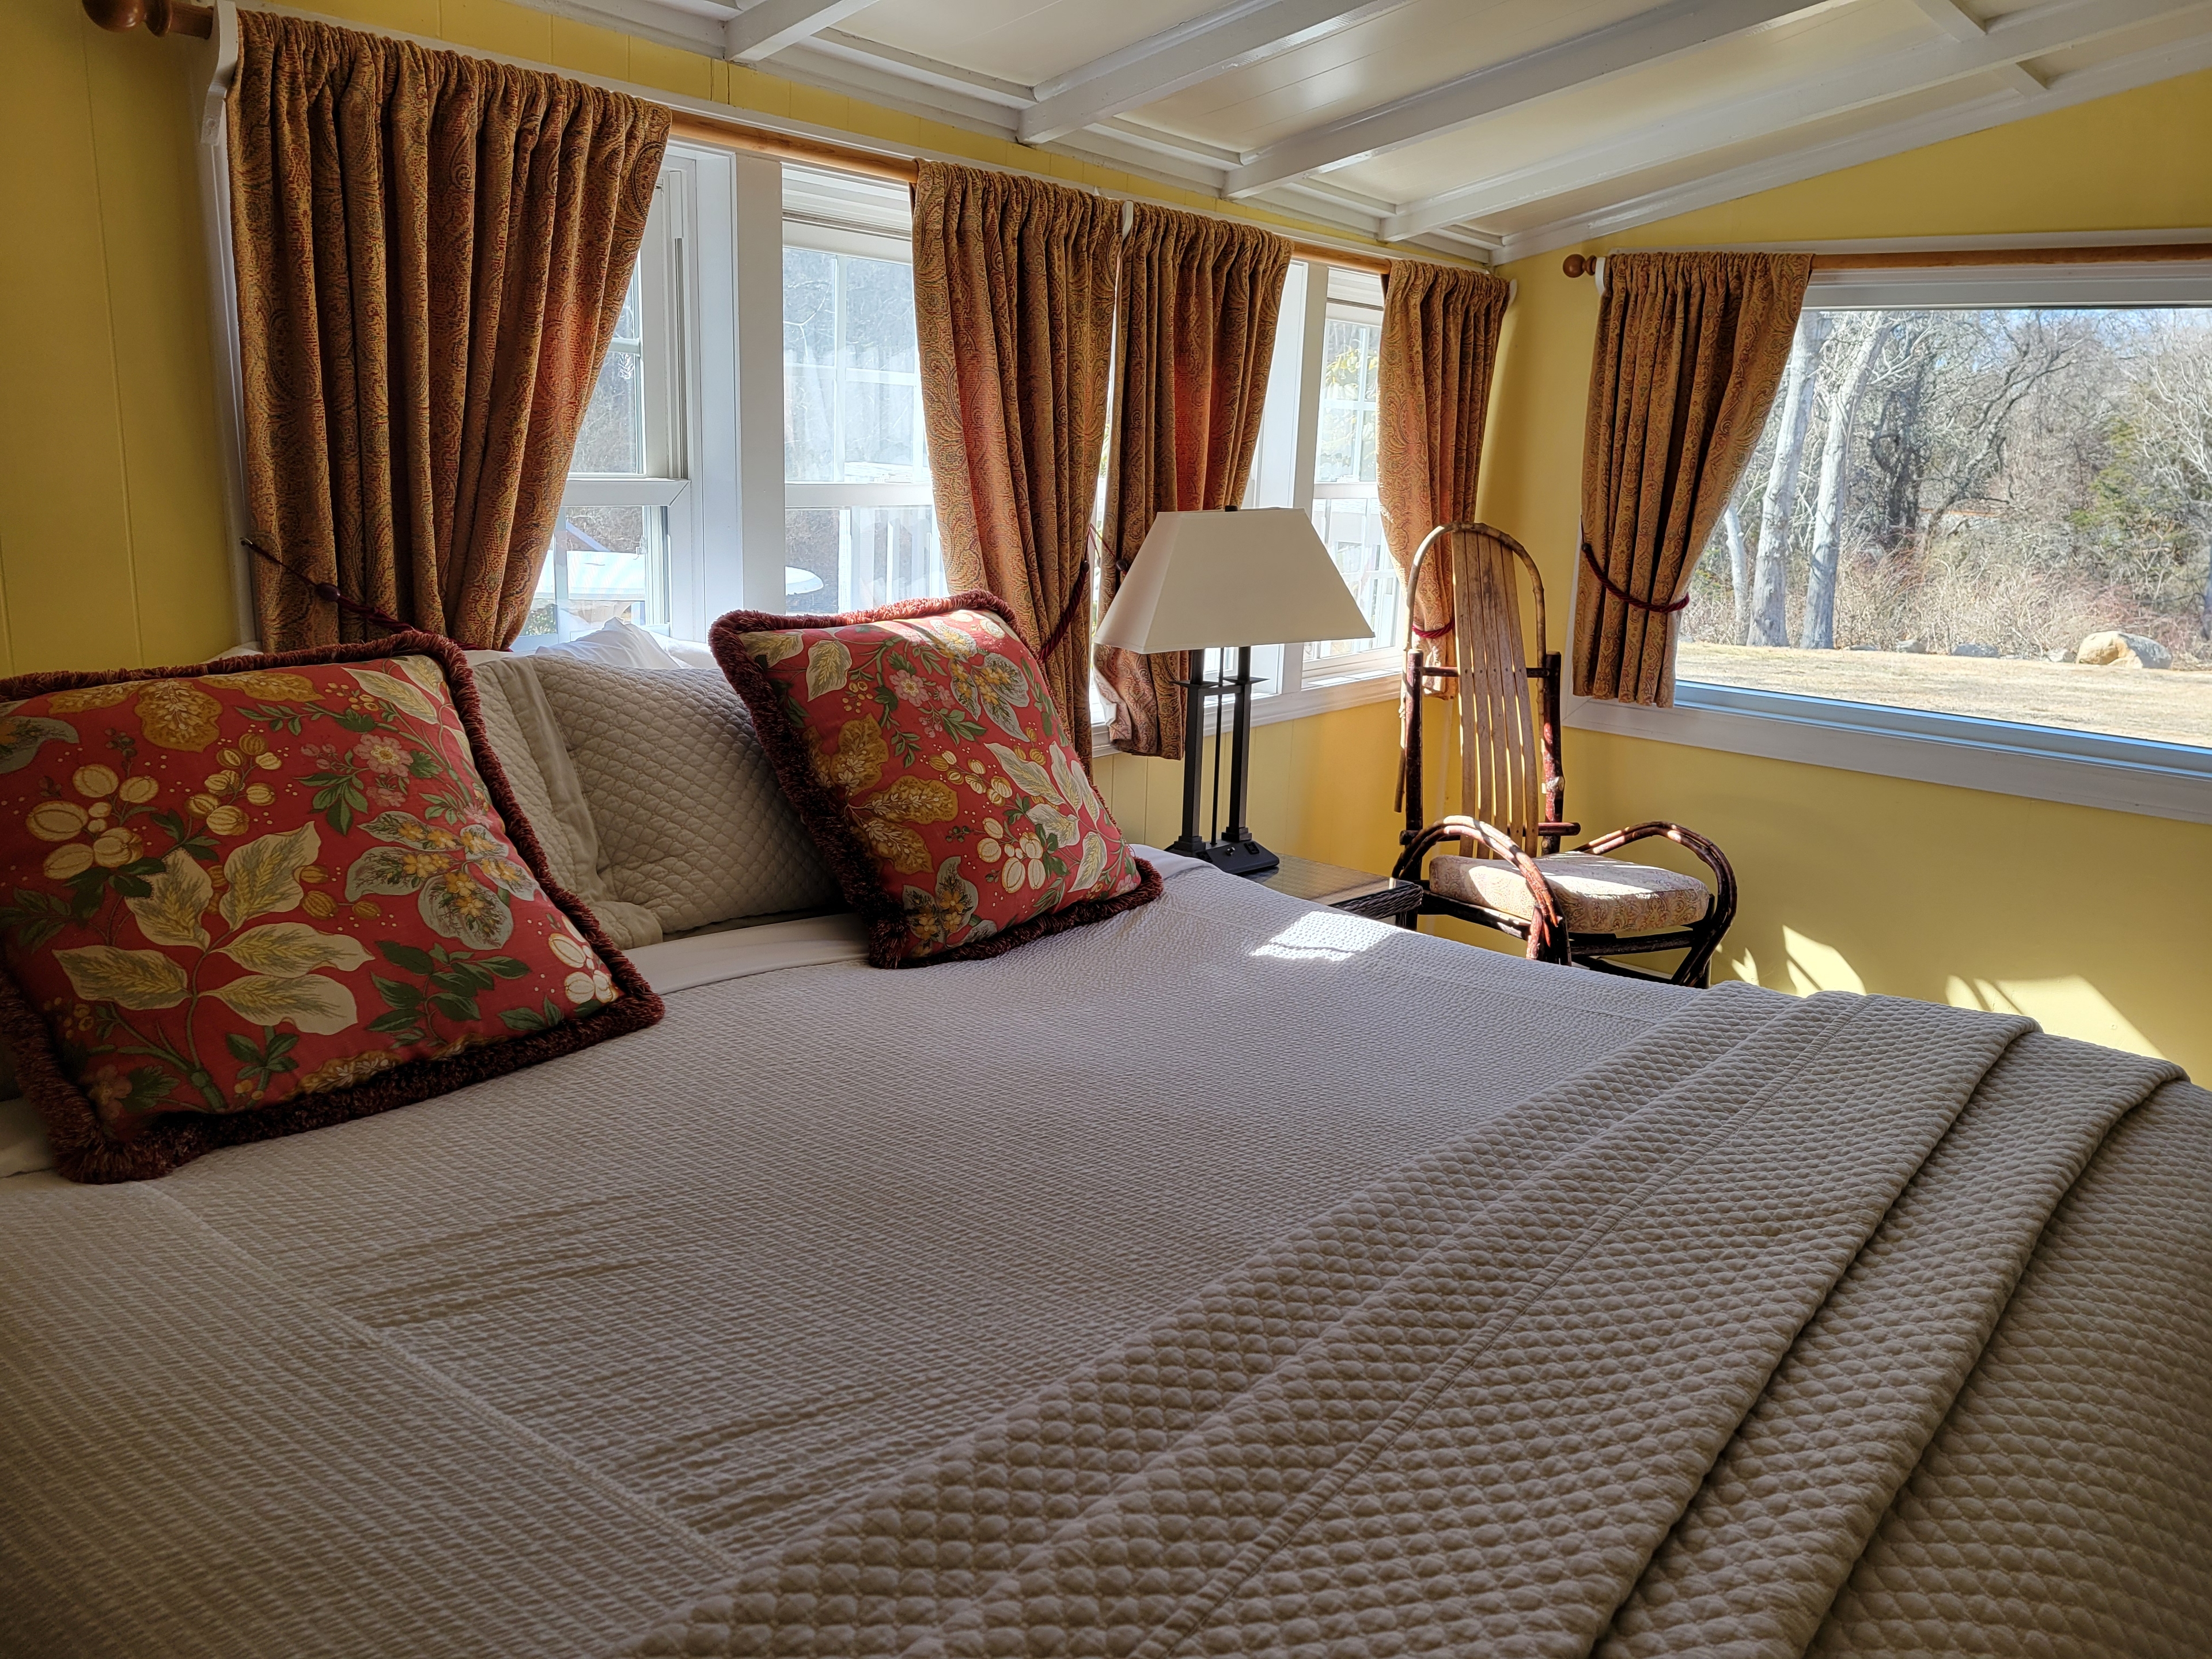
920, 747
271, 893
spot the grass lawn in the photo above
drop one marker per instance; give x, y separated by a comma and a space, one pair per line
2165, 706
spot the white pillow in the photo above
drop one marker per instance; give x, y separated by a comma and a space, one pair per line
691, 822
531, 751
692, 654
618, 644
22, 1139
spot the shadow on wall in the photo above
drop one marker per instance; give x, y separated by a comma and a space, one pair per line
2068, 1006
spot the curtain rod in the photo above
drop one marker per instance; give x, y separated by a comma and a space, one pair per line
1959, 259
847, 158
165, 17
159, 16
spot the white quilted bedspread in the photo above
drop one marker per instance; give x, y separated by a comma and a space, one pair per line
520, 1370
982, 1309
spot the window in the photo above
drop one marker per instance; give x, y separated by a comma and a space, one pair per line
859, 527
773, 453
1317, 452
628, 497
1346, 511
1987, 512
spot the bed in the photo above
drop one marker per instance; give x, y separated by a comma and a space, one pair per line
1230, 1276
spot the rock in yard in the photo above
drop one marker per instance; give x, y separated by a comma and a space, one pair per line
2119, 650
1913, 647
2062, 654
1969, 650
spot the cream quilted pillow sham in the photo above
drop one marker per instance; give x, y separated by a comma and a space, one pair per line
692, 823
531, 750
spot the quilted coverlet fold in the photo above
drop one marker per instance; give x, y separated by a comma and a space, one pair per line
1647, 1366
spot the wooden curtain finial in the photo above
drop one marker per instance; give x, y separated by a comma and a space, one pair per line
1574, 265
160, 16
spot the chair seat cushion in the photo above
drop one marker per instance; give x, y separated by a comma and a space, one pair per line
1596, 895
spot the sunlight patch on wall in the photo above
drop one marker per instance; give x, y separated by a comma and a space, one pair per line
2069, 1006
1817, 967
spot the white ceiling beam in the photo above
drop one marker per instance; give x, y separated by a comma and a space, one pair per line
2022, 79
1247, 31
1680, 26
815, 64
1812, 160
767, 26
1953, 19
1835, 90
912, 66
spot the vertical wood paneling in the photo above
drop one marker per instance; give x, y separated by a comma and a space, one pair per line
145, 105
64, 528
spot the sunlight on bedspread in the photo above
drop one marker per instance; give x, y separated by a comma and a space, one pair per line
1325, 936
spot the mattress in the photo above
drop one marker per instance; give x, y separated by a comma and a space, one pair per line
530, 1367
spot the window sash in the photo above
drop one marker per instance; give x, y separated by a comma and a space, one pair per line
2044, 763
614, 489
857, 494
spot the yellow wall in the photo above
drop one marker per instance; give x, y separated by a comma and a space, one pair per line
110, 496
112, 532
2097, 923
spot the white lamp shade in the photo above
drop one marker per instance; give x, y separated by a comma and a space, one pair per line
1259, 576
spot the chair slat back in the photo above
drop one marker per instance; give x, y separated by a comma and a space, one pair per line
1501, 744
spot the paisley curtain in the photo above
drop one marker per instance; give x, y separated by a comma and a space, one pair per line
1195, 328
1440, 330
1013, 291
1691, 349
432, 253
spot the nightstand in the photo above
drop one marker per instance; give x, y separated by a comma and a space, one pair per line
1385, 898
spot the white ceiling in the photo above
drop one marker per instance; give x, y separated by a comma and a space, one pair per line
1498, 127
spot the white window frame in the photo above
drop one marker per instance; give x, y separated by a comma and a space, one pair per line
711, 278
1384, 658
866, 244
689, 363
1283, 475
2081, 768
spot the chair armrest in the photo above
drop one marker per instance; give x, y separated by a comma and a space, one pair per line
1560, 829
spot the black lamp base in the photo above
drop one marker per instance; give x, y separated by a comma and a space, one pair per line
1235, 852
1241, 858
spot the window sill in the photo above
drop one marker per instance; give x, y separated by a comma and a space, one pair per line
1376, 685
2081, 768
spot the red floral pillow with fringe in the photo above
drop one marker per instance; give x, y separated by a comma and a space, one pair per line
270, 893
920, 747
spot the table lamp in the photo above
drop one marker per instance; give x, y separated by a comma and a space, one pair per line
1202, 581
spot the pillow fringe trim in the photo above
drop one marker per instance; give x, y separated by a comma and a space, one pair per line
83, 1151
822, 809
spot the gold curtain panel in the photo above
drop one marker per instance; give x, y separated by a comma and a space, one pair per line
1196, 325
432, 254
1440, 329
1013, 285
1690, 349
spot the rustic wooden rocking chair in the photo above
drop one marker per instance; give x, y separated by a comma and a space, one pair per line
1572, 907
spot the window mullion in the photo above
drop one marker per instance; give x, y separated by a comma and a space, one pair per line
657, 353
1313, 326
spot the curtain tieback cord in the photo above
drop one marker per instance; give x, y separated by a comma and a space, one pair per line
1623, 594
328, 591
